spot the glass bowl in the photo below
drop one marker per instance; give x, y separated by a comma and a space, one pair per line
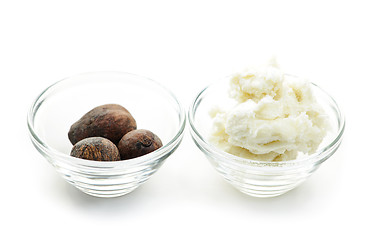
153, 106
252, 177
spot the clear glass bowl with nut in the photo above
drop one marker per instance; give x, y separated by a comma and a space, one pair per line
106, 133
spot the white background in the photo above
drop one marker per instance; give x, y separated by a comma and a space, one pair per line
185, 45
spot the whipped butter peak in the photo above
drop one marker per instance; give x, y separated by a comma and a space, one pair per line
276, 116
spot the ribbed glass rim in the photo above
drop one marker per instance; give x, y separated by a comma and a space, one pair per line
236, 159
102, 164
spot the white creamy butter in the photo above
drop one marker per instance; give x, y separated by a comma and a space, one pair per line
275, 118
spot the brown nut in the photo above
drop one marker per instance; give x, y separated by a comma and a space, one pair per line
110, 121
96, 148
137, 143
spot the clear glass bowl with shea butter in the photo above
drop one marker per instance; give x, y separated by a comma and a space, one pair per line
257, 177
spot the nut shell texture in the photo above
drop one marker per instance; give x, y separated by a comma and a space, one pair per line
109, 121
137, 143
96, 148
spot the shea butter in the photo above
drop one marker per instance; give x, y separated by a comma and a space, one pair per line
276, 116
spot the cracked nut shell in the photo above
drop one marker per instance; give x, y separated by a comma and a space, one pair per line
110, 121
96, 148
137, 143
